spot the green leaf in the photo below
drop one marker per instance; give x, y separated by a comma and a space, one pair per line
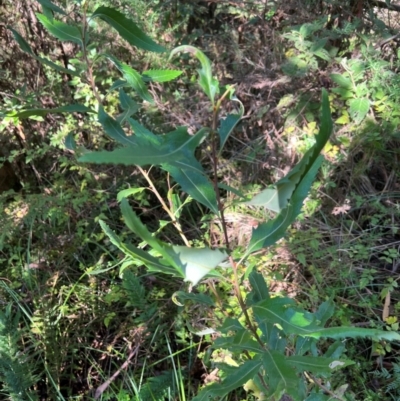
282, 311
161, 75
136, 226
354, 332
128, 192
277, 197
227, 126
175, 148
70, 108
317, 365
209, 84
133, 78
228, 188
267, 234
57, 67
342, 81
358, 109
191, 296
152, 263
196, 184
23, 44
128, 105
26, 48
48, 4
282, 377
259, 287
318, 397
127, 29
61, 30
69, 141
119, 83
294, 186
113, 128
243, 340
239, 376
196, 263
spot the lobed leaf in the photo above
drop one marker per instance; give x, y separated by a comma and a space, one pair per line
127, 29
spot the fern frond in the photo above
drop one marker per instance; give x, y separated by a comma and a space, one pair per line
134, 289
157, 388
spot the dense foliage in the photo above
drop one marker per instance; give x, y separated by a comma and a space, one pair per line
251, 149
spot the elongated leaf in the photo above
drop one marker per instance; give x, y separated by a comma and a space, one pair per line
126, 102
61, 30
119, 83
259, 287
228, 124
57, 67
152, 263
161, 75
69, 141
299, 182
136, 226
196, 184
114, 129
128, 105
23, 44
196, 263
354, 332
277, 197
48, 4
317, 365
70, 108
209, 84
282, 377
132, 78
239, 376
26, 48
127, 29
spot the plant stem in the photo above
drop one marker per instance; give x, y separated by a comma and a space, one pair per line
214, 161
236, 284
175, 222
85, 55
